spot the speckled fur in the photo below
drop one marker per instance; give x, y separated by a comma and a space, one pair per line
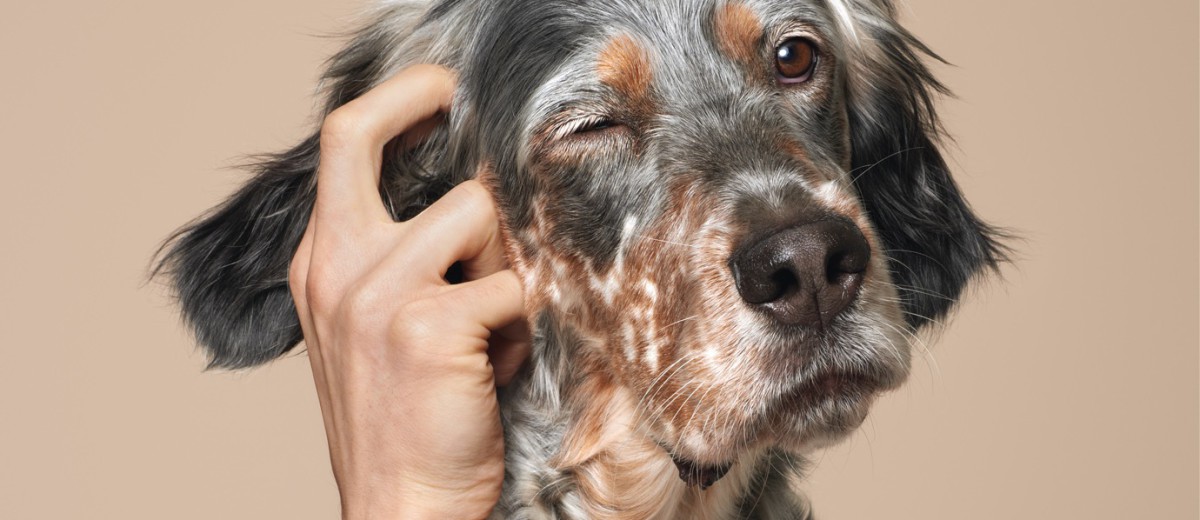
623, 232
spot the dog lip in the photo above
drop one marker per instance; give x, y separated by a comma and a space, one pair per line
693, 473
834, 382
840, 384
699, 475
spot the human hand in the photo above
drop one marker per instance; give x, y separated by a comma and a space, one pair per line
406, 365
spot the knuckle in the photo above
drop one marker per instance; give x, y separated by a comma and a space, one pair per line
469, 199
431, 71
297, 279
320, 293
341, 127
475, 194
424, 68
415, 323
359, 306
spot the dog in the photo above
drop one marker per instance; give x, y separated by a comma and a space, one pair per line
730, 217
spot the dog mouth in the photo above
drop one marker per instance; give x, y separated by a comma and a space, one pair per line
849, 392
838, 385
698, 475
842, 398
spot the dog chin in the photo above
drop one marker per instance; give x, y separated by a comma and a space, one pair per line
815, 415
838, 417
829, 407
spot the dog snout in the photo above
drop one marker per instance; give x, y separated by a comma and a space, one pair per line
804, 275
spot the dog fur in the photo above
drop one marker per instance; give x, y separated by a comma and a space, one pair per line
634, 147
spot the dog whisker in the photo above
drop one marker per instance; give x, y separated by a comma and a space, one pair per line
926, 354
925, 292
663, 377
867, 168
624, 202
677, 322
697, 409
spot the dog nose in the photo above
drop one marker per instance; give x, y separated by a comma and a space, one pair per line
804, 275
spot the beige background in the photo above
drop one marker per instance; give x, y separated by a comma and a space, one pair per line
1067, 391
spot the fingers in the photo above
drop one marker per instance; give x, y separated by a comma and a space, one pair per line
421, 131
351, 231
508, 349
375, 312
298, 283
468, 212
353, 136
493, 302
363, 267
496, 302
460, 322
298, 278
462, 226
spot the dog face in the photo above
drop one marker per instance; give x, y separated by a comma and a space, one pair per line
677, 188
738, 207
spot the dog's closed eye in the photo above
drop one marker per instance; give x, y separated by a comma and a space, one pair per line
572, 135
590, 124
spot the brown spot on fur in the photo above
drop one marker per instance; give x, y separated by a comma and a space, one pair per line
620, 474
738, 31
485, 173
584, 440
795, 150
625, 66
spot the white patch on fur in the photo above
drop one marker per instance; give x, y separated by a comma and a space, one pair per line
627, 229
608, 286
650, 289
712, 357
630, 341
530, 278
652, 349
559, 270
845, 19
652, 344
827, 193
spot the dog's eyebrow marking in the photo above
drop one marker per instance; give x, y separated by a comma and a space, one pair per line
624, 65
811, 173
738, 31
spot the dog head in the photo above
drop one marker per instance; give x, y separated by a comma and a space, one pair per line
698, 189
739, 207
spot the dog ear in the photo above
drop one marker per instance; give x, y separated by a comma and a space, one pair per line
935, 243
229, 268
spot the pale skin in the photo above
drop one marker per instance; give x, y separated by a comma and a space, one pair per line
405, 364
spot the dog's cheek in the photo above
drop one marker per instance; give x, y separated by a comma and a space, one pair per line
682, 313
553, 280
520, 243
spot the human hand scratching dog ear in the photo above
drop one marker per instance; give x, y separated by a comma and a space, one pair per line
403, 360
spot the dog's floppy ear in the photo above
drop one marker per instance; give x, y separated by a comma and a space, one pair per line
934, 242
229, 268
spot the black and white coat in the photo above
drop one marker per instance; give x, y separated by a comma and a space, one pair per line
642, 152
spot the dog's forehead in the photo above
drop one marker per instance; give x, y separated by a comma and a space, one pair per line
539, 46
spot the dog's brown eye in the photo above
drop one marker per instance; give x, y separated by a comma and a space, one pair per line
795, 60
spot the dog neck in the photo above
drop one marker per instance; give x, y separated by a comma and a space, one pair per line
575, 450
